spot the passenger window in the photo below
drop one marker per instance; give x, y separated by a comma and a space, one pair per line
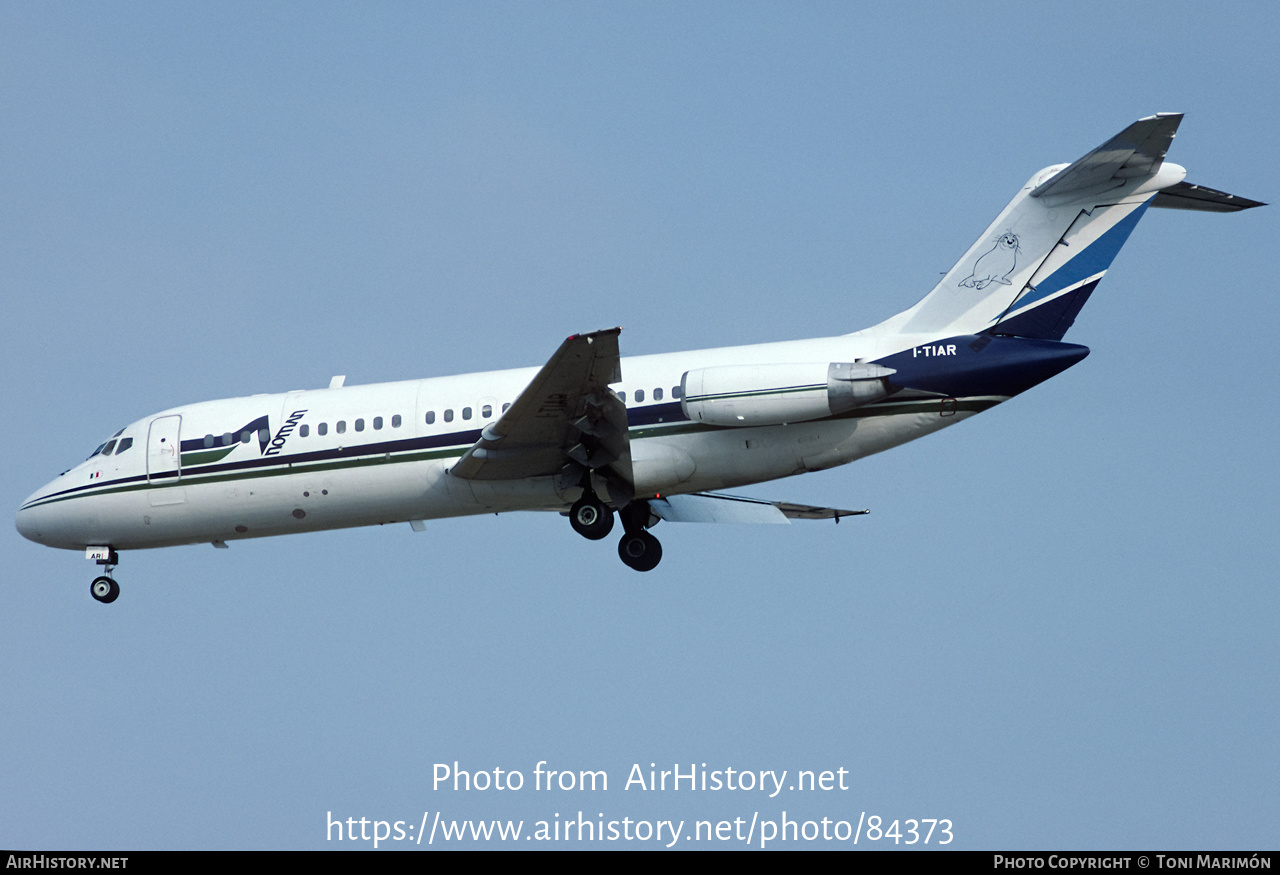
448, 415
244, 437
359, 425
657, 394
111, 445
304, 430
466, 413
322, 429
264, 435
395, 421
486, 411
226, 439
208, 441
124, 445
505, 406
639, 395
622, 396
377, 423
431, 417
675, 392
341, 427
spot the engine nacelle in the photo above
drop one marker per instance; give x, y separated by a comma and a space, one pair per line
752, 395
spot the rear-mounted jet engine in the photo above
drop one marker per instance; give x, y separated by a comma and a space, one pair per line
754, 395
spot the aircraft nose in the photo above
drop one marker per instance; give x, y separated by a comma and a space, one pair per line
25, 523
34, 521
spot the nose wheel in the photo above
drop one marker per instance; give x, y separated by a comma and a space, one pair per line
105, 590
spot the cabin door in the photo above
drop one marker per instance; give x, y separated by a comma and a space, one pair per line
164, 449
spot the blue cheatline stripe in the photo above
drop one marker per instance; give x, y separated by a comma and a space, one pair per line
650, 422
1095, 259
452, 443
253, 428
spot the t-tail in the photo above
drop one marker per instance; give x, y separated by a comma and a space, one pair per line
1033, 269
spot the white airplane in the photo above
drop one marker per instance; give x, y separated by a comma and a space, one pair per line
651, 437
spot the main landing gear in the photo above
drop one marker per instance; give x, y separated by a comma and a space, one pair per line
103, 588
593, 519
640, 550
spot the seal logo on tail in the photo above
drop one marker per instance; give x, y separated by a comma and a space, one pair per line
995, 265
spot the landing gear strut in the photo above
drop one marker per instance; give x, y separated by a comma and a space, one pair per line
104, 589
590, 517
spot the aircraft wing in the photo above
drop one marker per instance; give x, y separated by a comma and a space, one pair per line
1138, 150
714, 507
566, 422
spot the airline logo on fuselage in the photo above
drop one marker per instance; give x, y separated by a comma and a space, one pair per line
278, 442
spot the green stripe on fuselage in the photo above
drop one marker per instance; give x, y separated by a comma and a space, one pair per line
756, 393
283, 466
206, 457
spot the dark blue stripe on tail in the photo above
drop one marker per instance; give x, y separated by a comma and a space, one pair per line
1050, 320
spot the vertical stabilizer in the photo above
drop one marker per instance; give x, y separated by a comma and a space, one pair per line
1035, 266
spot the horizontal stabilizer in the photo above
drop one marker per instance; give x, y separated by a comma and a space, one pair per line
711, 507
1185, 196
1137, 151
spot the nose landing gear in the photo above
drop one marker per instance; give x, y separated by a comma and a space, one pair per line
103, 588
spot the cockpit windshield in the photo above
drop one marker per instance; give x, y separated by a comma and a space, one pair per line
113, 446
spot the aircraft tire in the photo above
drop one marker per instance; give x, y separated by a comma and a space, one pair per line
640, 551
590, 518
105, 590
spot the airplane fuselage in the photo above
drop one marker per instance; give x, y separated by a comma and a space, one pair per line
374, 454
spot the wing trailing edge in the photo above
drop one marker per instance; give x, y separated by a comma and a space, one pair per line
714, 507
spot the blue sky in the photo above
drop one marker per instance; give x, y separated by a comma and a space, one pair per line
1057, 626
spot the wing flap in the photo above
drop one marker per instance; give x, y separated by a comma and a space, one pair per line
713, 507
810, 512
